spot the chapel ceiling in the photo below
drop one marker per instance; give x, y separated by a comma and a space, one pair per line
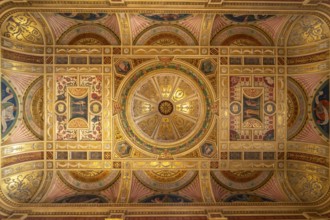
141, 109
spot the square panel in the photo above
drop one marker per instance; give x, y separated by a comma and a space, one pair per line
252, 108
78, 108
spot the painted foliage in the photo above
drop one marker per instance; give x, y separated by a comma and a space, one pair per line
321, 108
9, 108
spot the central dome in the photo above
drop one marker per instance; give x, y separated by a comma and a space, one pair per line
166, 109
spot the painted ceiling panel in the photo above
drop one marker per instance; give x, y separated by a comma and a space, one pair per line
127, 112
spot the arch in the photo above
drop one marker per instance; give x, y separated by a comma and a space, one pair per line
178, 35
249, 35
96, 31
23, 27
308, 186
308, 29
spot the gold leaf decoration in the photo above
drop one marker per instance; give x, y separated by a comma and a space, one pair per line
22, 187
22, 27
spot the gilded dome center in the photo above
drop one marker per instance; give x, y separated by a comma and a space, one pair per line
166, 110
165, 107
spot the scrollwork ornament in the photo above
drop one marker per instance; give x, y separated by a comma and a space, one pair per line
21, 188
308, 187
22, 27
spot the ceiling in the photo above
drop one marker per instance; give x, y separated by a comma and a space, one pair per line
126, 109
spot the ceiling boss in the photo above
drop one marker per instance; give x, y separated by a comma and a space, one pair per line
166, 109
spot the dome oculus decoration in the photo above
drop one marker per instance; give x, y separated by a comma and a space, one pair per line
165, 110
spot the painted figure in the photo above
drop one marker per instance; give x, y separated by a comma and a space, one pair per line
247, 18
321, 109
123, 67
7, 110
251, 108
207, 67
166, 17
207, 149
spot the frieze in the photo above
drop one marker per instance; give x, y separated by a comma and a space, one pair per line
308, 59
20, 168
308, 158
312, 48
82, 50
78, 69
78, 146
308, 148
309, 68
21, 148
22, 47
20, 67
11, 160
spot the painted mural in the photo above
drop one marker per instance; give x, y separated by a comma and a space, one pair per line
208, 149
78, 115
166, 17
247, 18
165, 198
84, 16
123, 67
321, 111
9, 108
78, 107
159, 123
208, 67
252, 108
247, 198
123, 149
87, 198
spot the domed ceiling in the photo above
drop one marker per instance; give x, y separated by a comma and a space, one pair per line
145, 110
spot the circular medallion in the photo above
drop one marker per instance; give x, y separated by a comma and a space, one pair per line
60, 107
95, 107
33, 107
270, 108
164, 108
235, 108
